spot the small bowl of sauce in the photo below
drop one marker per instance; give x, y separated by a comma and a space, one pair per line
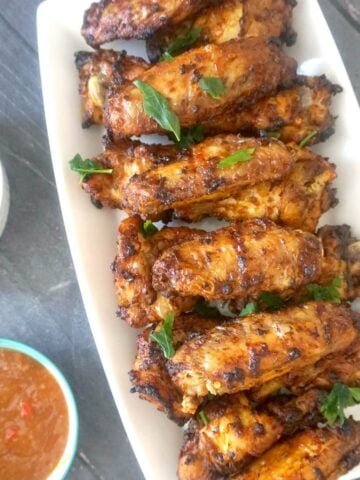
38, 416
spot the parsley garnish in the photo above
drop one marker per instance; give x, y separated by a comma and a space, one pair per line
270, 134
164, 337
241, 156
148, 229
203, 308
181, 43
249, 309
157, 107
327, 293
307, 139
338, 399
87, 167
203, 418
213, 86
189, 136
272, 301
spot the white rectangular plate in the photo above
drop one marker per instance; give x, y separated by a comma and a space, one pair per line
92, 233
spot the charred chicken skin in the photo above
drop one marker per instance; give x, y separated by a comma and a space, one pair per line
250, 351
250, 69
324, 453
229, 20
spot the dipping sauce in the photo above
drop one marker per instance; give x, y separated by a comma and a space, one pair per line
34, 419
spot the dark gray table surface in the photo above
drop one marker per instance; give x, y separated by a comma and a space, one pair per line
39, 298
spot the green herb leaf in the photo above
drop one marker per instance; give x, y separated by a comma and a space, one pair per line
181, 43
249, 309
87, 167
164, 337
189, 136
241, 156
148, 229
307, 139
157, 107
213, 86
203, 308
338, 399
272, 301
327, 293
270, 134
203, 418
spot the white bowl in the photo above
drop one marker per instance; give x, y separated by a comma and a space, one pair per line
4, 199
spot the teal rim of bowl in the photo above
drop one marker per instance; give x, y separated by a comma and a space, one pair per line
68, 456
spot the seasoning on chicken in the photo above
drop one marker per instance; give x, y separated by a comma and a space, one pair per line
248, 70
109, 20
247, 352
98, 71
229, 20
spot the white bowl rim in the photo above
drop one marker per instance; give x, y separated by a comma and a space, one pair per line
4, 199
62, 469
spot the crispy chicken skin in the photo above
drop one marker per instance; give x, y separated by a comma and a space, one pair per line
149, 376
240, 261
247, 352
319, 453
229, 20
250, 69
109, 20
139, 304
196, 176
293, 113
98, 71
238, 432
297, 200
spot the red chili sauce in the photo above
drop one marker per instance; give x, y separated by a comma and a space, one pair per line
34, 420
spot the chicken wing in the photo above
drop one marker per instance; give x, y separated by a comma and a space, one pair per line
297, 200
149, 376
319, 453
240, 261
236, 432
139, 304
247, 352
229, 20
98, 71
109, 20
250, 69
197, 176
292, 114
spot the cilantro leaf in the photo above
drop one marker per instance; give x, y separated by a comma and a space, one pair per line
157, 107
148, 229
327, 293
338, 399
189, 136
164, 337
203, 418
272, 301
213, 86
181, 43
241, 156
307, 139
87, 167
203, 308
249, 309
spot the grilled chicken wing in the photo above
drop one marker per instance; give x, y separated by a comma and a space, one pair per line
247, 352
240, 261
197, 177
310, 455
236, 431
250, 69
109, 20
139, 304
297, 200
149, 376
98, 71
229, 20
292, 113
